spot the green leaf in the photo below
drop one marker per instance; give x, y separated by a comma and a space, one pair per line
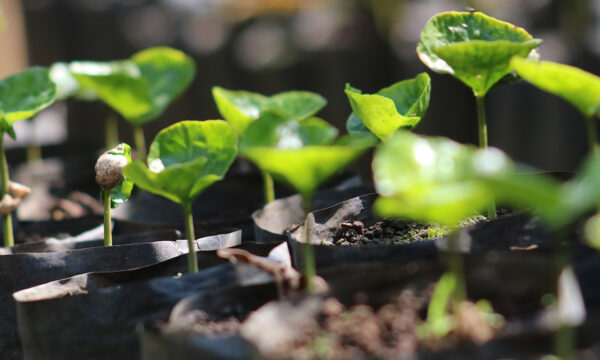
592, 231
473, 47
580, 88
241, 108
122, 191
438, 180
24, 94
400, 106
117, 83
186, 158
168, 72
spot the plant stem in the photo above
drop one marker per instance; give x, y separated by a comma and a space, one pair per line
310, 268
140, 143
189, 233
456, 267
564, 338
107, 228
6, 219
592, 135
483, 140
111, 130
268, 187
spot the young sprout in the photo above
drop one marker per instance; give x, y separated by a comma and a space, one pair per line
140, 88
578, 87
21, 96
302, 153
476, 49
400, 106
185, 159
241, 108
116, 189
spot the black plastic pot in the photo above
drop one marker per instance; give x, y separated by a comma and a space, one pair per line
93, 315
22, 270
375, 283
273, 220
502, 234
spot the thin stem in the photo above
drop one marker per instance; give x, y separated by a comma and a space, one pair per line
140, 143
456, 267
189, 233
483, 140
269, 188
592, 135
107, 228
310, 268
111, 130
564, 337
6, 219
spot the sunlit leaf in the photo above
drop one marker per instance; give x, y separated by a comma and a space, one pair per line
400, 106
186, 158
580, 88
473, 47
24, 94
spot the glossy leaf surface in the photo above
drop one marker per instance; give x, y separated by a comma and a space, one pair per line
400, 106
580, 88
241, 108
186, 158
473, 47
24, 94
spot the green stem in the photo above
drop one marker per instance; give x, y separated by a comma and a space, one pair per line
6, 219
107, 228
456, 267
592, 135
111, 130
189, 233
140, 143
269, 188
310, 269
483, 140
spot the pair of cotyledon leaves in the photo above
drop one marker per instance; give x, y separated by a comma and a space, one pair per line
23, 95
281, 135
139, 88
435, 179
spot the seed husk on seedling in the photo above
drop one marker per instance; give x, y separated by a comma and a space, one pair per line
184, 159
303, 154
116, 189
578, 87
242, 108
22, 95
476, 49
140, 88
399, 106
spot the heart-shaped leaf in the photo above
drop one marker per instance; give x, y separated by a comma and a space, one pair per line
24, 94
400, 106
473, 47
580, 88
139, 89
121, 192
186, 158
300, 152
241, 108
439, 180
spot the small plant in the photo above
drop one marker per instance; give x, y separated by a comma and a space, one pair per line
242, 108
476, 49
141, 88
302, 153
116, 189
580, 88
21, 96
400, 106
185, 159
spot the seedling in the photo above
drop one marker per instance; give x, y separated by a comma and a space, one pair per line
116, 189
476, 49
185, 159
21, 96
241, 108
302, 153
141, 88
400, 106
580, 88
